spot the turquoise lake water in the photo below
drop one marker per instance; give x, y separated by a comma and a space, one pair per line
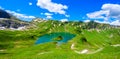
49, 37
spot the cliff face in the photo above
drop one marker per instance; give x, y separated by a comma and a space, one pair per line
9, 21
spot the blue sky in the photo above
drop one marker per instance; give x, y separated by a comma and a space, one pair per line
102, 11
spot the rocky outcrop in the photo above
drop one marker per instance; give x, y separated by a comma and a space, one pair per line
8, 21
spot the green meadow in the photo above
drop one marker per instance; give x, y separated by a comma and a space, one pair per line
92, 41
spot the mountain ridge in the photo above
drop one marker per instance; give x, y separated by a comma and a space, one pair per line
8, 21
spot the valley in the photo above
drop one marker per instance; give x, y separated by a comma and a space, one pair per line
90, 41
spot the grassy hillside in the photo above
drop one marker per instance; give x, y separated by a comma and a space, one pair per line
91, 42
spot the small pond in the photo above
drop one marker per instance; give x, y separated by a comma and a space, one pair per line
59, 37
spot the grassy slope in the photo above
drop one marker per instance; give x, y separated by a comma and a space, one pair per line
20, 44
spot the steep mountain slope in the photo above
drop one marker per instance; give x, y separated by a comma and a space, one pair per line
77, 24
8, 21
4, 14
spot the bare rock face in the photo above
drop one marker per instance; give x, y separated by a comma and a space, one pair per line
8, 21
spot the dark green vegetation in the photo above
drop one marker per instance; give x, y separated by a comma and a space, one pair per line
58, 38
92, 41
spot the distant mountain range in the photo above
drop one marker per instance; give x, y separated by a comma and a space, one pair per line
8, 21
77, 24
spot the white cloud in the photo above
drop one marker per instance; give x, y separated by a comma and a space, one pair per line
21, 16
86, 20
98, 14
48, 15
116, 22
114, 9
106, 22
41, 13
30, 3
107, 12
67, 15
18, 15
52, 7
64, 20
